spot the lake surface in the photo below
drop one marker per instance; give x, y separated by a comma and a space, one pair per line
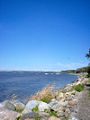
24, 84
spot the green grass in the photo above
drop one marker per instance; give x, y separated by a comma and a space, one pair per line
35, 109
37, 117
19, 118
51, 112
79, 87
46, 99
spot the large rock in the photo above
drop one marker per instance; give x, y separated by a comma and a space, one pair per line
1, 105
30, 105
8, 105
43, 106
35, 116
18, 105
30, 115
44, 116
55, 105
6, 114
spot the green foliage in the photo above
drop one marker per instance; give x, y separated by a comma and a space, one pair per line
46, 99
35, 109
84, 69
51, 112
69, 71
79, 87
88, 76
19, 118
37, 117
88, 54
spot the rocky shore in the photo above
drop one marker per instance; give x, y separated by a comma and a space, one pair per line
61, 104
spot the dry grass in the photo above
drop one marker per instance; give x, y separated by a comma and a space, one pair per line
45, 95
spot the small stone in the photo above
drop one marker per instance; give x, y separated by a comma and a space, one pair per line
60, 113
72, 103
61, 95
53, 100
67, 110
53, 118
64, 104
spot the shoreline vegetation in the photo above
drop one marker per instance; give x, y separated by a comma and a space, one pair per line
47, 104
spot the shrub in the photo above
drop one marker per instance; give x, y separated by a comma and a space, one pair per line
79, 87
88, 75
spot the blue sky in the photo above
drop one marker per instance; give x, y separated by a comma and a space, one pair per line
44, 34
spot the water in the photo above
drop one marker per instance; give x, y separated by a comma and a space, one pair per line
24, 84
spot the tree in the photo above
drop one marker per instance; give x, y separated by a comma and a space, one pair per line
88, 54
88, 68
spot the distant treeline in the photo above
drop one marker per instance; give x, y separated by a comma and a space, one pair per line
79, 70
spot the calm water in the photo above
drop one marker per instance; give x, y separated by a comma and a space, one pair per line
24, 84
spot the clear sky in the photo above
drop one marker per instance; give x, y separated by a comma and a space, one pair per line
44, 34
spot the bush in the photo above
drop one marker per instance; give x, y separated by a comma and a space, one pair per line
88, 75
45, 95
79, 87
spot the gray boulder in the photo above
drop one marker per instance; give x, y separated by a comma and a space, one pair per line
33, 116
30, 105
8, 105
30, 115
43, 106
55, 105
44, 115
18, 105
6, 114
